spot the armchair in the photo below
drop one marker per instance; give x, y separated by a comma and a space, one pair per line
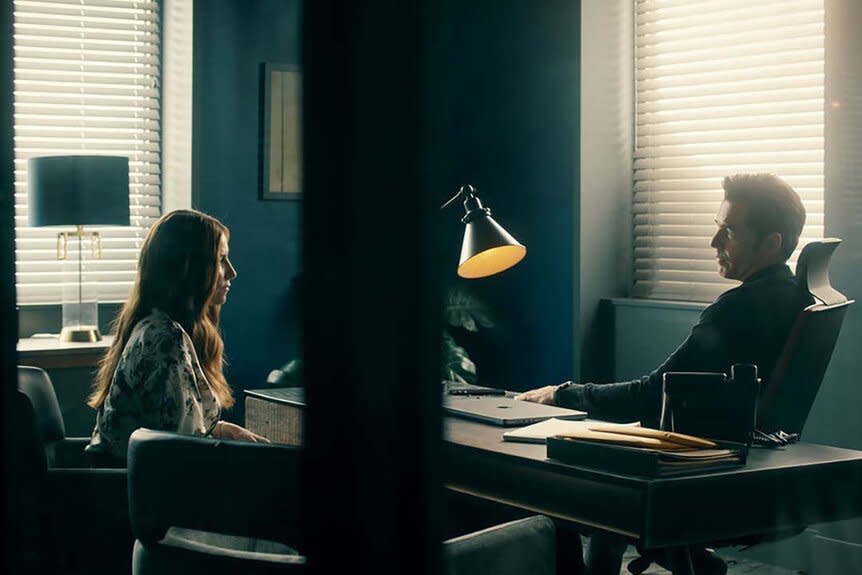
79, 505
60, 451
191, 514
523, 546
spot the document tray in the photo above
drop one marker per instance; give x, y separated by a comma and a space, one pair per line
627, 460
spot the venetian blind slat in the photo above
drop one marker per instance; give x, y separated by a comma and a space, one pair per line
87, 81
721, 88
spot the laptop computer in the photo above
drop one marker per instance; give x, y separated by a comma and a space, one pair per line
462, 388
505, 411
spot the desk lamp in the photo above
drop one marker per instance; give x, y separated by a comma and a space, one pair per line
487, 248
78, 191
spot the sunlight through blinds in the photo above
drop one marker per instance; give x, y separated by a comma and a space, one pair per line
86, 82
721, 88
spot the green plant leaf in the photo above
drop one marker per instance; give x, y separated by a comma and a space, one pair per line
466, 311
456, 365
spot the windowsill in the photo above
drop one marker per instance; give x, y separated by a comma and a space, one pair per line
657, 303
49, 352
47, 318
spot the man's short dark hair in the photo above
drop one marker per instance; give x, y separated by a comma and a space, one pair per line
774, 206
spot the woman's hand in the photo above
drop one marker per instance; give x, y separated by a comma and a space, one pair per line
227, 430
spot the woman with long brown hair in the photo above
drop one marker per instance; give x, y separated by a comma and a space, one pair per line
164, 368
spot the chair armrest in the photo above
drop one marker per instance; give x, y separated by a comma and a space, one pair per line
523, 546
68, 453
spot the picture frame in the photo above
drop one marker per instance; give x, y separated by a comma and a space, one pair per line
281, 127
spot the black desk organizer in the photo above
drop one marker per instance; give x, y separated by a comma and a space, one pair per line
625, 460
707, 405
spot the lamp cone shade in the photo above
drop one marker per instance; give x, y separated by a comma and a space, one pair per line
488, 249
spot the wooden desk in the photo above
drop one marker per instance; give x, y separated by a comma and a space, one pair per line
777, 489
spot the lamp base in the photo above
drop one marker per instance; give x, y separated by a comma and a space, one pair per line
80, 334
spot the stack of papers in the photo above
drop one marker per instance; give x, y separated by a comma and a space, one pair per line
540, 432
629, 449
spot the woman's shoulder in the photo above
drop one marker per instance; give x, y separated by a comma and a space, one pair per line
157, 329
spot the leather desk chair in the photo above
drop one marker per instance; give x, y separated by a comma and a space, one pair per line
187, 516
87, 509
786, 399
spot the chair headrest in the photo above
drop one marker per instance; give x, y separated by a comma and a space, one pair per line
227, 487
36, 385
812, 271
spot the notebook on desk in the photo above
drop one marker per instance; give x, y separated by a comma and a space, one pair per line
505, 411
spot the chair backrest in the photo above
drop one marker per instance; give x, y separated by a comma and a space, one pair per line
790, 392
71, 507
25, 473
523, 546
36, 385
217, 486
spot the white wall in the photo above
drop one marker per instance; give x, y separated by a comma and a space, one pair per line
605, 165
177, 43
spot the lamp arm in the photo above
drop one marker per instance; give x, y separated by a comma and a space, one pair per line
472, 204
453, 199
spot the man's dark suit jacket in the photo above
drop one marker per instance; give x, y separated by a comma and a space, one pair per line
747, 324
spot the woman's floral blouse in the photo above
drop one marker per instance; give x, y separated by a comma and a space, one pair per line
158, 384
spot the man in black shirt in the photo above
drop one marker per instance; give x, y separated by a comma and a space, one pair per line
759, 224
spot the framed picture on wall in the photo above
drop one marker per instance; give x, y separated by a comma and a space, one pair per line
281, 154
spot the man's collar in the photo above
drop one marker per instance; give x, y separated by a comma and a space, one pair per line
773, 270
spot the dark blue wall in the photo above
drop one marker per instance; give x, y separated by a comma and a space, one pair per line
502, 113
502, 101
232, 39
503, 108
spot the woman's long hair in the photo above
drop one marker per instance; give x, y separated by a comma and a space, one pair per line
177, 274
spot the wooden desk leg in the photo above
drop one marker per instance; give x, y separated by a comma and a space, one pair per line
679, 561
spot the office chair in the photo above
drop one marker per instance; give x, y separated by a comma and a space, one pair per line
524, 546
189, 514
787, 397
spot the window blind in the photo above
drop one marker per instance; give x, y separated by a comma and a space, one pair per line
86, 82
721, 88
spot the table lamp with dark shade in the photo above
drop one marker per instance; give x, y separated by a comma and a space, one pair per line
78, 191
487, 248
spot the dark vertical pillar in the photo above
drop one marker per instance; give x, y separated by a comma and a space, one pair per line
11, 544
372, 334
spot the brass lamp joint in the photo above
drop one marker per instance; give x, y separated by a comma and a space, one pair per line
63, 242
472, 204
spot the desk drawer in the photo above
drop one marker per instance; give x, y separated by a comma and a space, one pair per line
277, 422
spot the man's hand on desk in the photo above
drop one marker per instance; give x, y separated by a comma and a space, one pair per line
568, 394
227, 430
539, 395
